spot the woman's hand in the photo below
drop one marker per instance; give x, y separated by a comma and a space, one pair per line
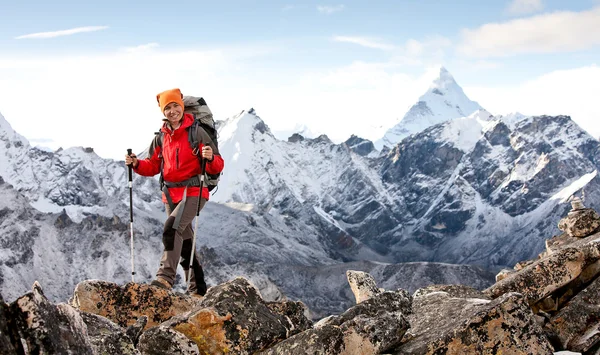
129, 159
207, 153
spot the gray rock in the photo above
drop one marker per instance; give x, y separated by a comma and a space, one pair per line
362, 284
165, 340
441, 324
134, 331
295, 312
371, 327
48, 328
106, 337
455, 291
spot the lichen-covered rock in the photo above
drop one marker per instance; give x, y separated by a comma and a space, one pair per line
163, 340
580, 223
371, 327
362, 284
567, 292
48, 328
577, 325
106, 337
125, 304
232, 318
559, 242
441, 324
455, 291
544, 276
295, 314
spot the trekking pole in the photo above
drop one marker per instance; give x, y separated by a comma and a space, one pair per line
196, 227
130, 166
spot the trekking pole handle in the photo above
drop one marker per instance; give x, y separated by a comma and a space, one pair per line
130, 169
202, 176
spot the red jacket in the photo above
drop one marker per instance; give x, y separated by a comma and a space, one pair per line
179, 162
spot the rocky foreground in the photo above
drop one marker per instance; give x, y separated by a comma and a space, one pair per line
542, 306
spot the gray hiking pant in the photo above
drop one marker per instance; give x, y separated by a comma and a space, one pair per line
178, 245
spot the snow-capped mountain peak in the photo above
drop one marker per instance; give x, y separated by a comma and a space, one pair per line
444, 100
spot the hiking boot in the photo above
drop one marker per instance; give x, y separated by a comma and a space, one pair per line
162, 283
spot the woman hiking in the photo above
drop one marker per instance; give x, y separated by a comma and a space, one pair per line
181, 169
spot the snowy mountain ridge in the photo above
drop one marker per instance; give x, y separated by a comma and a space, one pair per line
476, 189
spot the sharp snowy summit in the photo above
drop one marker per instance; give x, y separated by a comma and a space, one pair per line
444, 100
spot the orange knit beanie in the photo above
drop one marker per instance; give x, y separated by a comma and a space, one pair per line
166, 97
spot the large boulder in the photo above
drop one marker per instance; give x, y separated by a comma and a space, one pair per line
548, 274
125, 304
373, 326
48, 328
233, 318
465, 322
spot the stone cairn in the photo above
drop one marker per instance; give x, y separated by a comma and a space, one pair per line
541, 306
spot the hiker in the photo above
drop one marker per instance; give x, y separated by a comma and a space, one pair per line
171, 152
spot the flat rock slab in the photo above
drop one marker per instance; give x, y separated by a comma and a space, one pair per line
441, 324
125, 304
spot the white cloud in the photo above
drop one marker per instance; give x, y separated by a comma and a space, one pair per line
524, 7
328, 10
365, 42
142, 47
547, 33
60, 33
108, 101
564, 92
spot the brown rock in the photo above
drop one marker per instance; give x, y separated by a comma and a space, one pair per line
446, 325
547, 275
564, 294
362, 284
48, 328
373, 326
559, 242
503, 274
577, 325
125, 304
232, 318
580, 223
163, 340
523, 264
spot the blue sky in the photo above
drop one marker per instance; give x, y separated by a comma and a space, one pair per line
325, 65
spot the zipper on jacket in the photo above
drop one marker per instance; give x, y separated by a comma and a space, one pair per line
177, 157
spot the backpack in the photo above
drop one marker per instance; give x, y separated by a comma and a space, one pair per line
203, 119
